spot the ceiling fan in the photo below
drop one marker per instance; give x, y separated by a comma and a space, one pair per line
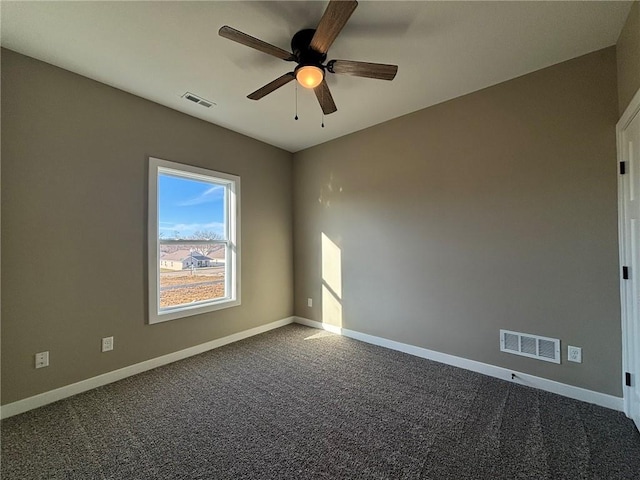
310, 49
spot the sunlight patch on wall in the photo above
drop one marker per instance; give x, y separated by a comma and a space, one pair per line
332, 266
331, 308
331, 283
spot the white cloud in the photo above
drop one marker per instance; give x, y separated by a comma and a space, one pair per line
209, 195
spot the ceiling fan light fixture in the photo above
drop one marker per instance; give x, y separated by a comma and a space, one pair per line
309, 76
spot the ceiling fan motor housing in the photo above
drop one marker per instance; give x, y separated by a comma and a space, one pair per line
304, 54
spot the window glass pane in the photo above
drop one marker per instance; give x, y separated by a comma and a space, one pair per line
191, 273
190, 209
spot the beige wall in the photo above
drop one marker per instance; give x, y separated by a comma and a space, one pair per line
493, 210
74, 187
628, 53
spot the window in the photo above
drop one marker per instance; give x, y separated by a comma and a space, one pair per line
194, 233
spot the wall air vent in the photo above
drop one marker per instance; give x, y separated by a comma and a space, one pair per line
196, 99
532, 346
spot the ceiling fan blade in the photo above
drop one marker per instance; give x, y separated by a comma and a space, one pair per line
249, 41
324, 98
332, 22
271, 86
380, 71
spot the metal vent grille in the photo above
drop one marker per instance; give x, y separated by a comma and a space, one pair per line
532, 346
511, 342
528, 345
196, 99
546, 348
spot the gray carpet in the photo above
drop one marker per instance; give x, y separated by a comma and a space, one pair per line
298, 403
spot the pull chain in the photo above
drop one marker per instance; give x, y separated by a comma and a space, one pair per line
322, 108
296, 117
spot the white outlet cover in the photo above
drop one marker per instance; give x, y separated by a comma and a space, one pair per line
42, 359
574, 354
309, 302
107, 344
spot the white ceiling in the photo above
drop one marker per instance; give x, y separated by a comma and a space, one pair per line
160, 50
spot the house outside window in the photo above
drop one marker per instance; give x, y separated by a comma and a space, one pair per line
194, 233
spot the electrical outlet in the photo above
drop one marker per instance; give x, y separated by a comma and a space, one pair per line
574, 354
309, 302
42, 359
107, 344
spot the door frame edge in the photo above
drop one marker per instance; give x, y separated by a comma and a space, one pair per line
629, 114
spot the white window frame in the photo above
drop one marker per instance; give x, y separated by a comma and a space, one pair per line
232, 223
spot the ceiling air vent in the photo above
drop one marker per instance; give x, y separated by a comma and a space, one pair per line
196, 99
532, 346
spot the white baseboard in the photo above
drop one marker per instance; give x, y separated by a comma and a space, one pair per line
577, 393
51, 396
570, 391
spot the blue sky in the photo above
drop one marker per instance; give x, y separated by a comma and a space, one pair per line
187, 206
